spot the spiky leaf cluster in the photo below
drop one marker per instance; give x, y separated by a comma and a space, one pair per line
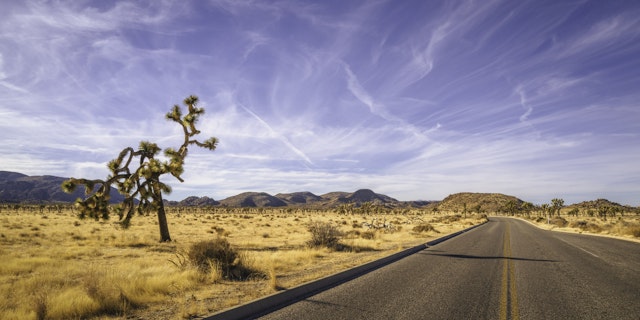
143, 183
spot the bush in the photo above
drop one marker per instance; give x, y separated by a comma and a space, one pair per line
323, 234
369, 235
633, 230
447, 219
203, 253
219, 254
586, 226
424, 227
559, 222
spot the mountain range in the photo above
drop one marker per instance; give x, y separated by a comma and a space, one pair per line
20, 188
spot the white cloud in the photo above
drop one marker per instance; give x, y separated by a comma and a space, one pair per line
481, 96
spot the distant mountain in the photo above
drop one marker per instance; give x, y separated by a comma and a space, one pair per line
20, 188
488, 202
329, 200
359, 197
299, 198
253, 199
197, 202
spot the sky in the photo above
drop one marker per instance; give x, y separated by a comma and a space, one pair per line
413, 99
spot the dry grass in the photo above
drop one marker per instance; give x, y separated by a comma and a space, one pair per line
57, 267
627, 227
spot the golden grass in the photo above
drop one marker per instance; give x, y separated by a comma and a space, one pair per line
57, 267
625, 227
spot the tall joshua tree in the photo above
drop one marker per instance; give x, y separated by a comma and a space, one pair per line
142, 183
556, 205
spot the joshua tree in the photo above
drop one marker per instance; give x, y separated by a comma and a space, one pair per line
142, 183
556, 205
527, 207
464, 209
545, 210
511, 207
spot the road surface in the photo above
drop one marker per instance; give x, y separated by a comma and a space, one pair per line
505, 269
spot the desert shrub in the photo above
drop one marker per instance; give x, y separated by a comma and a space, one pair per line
323, 234
351, 234
369, 235
424, 227
586, 226
580, 224
218, 253
633, 230
559, 222
447, 219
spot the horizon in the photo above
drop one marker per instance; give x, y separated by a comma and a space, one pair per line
414, 100
378, 193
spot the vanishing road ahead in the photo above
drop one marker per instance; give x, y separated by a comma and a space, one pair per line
505, 269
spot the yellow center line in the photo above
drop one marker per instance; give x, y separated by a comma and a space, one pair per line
508, 296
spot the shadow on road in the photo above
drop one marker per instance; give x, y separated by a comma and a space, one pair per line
466, 256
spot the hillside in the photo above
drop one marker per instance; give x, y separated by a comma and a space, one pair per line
197, 202
487, 202
299, 198
20, 188
329, 200
253, 199
601, 203
334, 199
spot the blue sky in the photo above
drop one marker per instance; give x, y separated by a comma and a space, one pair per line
413, 99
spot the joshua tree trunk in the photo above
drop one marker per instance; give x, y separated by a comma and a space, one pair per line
162, 222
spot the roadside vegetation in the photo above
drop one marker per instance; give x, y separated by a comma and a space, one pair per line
622, 226
600, 217
55, 266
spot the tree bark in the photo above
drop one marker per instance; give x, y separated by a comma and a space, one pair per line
162, 222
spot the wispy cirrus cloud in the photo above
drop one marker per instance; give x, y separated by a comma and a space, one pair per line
416, 99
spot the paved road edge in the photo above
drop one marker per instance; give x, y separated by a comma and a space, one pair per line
270, 303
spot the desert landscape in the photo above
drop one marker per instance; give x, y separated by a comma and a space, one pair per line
57, 266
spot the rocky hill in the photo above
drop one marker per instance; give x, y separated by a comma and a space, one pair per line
308, 199
20, 188
197, 202
600, 203
359, 197
486, 202
299, 198
253, 199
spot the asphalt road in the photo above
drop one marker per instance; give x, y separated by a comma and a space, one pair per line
505, 269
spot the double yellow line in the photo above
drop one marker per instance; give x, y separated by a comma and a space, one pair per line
509, 295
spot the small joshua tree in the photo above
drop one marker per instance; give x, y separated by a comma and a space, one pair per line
142, 183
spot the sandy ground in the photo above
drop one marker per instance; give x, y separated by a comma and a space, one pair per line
57, 265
